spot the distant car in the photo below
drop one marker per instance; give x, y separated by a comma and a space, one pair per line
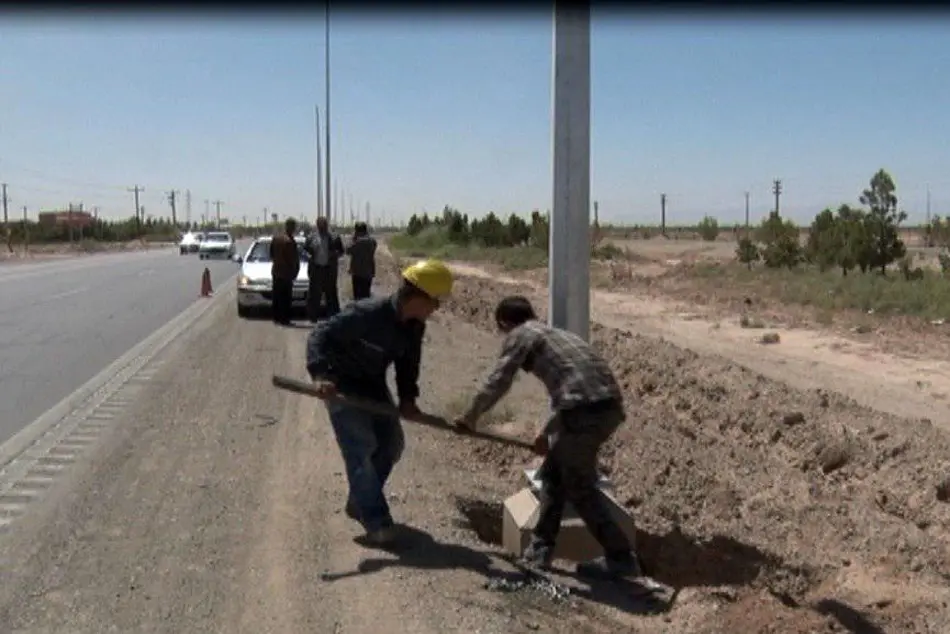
216, 244
189, 243
254, 282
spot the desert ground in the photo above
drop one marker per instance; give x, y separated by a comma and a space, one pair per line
792, 487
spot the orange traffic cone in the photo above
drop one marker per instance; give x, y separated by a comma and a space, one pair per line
206, 283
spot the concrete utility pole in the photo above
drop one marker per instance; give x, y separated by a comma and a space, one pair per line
138, 210
569, 241
747, 214
188, 208
596, 214
217, 213
336, 198
171, 201
95, 218
367, 215
206, 218
663, 214
81, 232
777, 190
26, 231
327, 58
928, 204
320, 207
3, 196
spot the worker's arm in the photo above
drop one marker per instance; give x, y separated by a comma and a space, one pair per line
514, 351
348, 325
407, 367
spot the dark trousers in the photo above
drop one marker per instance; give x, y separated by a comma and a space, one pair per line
569, 474
361, 287
371, 445
282, 298
323, 287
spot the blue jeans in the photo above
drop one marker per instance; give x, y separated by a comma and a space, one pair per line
371, 446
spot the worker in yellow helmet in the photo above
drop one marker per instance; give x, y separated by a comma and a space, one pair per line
349, 354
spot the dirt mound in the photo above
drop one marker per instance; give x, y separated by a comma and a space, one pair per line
739, 481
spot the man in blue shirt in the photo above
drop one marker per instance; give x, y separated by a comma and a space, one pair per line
349, 354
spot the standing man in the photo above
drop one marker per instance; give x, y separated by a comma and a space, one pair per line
349, 354
325, 249
587, 408
285, 266
362, 261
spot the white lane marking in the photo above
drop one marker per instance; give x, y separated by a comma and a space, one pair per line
75, 291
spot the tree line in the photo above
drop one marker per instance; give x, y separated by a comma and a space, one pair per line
848, 238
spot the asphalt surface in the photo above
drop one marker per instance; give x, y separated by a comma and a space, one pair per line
63, 321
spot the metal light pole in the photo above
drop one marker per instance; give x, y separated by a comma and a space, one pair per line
569, 239
329, 208
316, 113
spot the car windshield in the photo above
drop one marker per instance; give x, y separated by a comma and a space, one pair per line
260, 252
218, 237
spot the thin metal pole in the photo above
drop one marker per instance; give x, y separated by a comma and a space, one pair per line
316, 111
569, 269
329, 208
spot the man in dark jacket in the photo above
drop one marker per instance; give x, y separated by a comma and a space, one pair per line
285, 265
362, 261
325, 249
350, 353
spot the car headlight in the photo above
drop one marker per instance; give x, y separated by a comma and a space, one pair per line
246, 281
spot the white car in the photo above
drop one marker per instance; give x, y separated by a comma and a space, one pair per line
216, 244
189, 243
254, 282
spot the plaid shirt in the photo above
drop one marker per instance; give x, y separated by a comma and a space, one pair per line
573, 373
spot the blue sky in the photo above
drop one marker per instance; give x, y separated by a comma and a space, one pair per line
457, 111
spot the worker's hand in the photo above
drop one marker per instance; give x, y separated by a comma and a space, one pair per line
409, 410
325, 389
541, 445
465, 423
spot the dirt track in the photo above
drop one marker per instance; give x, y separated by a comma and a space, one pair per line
215, 505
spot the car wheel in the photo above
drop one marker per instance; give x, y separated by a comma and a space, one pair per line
243, 311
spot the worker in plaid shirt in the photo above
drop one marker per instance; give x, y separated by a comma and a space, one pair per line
587, 408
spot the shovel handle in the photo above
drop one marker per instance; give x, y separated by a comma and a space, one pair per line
307, 389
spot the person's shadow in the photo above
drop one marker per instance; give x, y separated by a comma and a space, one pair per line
415, 548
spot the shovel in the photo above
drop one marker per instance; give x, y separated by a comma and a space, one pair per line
307, 389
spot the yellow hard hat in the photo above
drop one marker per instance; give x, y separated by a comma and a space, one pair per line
432, 277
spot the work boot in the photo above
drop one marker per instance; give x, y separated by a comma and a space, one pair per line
537, 555
381, 537
611, 568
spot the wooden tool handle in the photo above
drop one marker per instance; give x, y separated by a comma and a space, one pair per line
308, 389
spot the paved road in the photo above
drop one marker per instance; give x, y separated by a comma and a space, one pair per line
213, 503
61, 322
